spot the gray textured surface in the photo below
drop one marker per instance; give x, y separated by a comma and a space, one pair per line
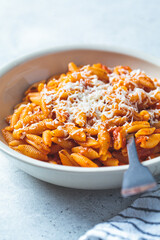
32, 209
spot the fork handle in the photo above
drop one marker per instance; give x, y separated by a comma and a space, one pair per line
132, 152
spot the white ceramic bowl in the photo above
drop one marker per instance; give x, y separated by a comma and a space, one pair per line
16, 77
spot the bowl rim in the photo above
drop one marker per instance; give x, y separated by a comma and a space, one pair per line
40, 53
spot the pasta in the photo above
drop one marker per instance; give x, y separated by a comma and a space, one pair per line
82, 118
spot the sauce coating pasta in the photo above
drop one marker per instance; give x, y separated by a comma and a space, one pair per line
81, 118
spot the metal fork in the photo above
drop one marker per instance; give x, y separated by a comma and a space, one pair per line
137, 178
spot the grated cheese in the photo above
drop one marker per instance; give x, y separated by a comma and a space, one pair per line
95, 97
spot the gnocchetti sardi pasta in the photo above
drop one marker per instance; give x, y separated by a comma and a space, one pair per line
81, 118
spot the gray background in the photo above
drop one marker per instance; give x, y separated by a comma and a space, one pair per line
32, 209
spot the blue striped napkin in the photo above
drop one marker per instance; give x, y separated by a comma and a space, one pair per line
140, 221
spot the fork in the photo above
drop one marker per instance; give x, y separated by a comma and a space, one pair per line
137, 178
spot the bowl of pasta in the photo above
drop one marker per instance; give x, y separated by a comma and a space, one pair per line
66, 113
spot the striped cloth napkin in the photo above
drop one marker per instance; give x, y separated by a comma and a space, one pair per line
140, 221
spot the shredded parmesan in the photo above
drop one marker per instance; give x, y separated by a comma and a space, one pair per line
120, 96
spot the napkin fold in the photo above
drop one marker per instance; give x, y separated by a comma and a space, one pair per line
140, 221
